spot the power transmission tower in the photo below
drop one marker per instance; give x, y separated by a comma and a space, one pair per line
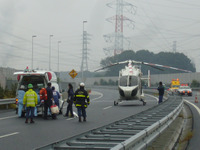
119, 19
174, 46
84, 64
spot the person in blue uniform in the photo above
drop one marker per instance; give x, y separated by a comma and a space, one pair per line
161, 91
20, 97
70, 100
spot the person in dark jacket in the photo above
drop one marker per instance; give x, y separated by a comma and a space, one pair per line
80, 98
161, 91
70, 100
48, 102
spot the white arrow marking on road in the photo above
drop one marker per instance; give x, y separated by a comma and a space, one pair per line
3, 136
197, 108
107, 107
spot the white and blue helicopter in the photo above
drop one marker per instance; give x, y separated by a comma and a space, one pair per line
130, 79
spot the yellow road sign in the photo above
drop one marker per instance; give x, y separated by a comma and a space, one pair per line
73, 73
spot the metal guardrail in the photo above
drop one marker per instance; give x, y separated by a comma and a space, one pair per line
134, 132
7, 101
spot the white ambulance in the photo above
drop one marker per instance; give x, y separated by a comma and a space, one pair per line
37, 78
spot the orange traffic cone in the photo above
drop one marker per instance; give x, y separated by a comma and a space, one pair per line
196, 100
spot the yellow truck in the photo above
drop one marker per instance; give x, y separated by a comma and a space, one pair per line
175, 84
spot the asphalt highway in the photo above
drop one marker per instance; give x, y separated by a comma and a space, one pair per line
15, 134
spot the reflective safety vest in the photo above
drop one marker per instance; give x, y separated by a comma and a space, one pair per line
80, 98
30, 98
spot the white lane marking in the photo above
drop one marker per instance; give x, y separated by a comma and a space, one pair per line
197, 108
101, 95
75, 116
69, 118
153, 97
8, 117
103, 101
3, 136
107, 107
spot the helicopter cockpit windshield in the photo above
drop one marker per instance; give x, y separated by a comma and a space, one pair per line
128, 81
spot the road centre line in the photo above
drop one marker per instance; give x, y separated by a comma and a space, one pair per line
197, 108
107, 107
3, 136
8, 117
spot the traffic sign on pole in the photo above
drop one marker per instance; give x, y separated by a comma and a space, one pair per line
73, 73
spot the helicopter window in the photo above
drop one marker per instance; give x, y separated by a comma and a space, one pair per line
123, 81
128, 81
133, 81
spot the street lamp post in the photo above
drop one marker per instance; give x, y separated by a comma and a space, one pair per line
58, 64
32, 52
58, 54
50, 51
83, 50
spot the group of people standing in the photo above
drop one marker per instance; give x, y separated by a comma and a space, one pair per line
81, 100
50, 96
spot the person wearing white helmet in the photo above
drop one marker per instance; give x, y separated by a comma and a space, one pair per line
82, 84
20, 96
81, 101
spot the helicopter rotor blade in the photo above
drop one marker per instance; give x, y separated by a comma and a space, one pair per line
154, 67
111, 65
163, 66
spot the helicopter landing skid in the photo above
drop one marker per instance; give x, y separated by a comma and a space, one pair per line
144, 103
117, 102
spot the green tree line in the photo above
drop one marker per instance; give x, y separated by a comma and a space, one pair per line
6, 93
178, 60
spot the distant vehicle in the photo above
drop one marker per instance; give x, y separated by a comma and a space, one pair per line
184, 89
175, 84
36, 78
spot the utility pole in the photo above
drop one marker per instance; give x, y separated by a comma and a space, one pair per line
32, 52
117, 37
58, 64
50, 52
58, 55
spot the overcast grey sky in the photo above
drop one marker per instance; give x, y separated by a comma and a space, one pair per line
157, 24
